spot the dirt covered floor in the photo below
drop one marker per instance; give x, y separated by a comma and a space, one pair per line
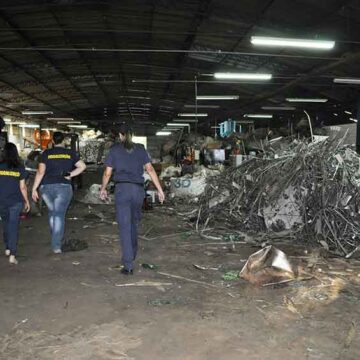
78, 306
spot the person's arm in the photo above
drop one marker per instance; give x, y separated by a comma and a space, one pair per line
38, 178
24, 193
79, 168
152, 173
105, 180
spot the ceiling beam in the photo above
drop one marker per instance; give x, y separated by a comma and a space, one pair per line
13, 27
201, 14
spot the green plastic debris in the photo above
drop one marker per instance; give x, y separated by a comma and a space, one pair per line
233, 237
149, 266
231, 275
160, 302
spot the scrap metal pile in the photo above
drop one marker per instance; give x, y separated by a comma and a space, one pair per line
311, 189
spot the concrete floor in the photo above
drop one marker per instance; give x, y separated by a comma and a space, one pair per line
70, 306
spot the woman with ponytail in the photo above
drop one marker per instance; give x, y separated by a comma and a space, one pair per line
127, 160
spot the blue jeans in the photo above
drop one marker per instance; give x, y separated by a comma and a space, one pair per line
10, 216
128, 200
57, 198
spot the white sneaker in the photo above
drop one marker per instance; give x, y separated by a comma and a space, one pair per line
57, 251
7, 252
12, 260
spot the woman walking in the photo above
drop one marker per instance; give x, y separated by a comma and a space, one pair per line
13, 198
127, 160
57, 166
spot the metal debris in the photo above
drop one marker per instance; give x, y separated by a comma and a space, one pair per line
310, 188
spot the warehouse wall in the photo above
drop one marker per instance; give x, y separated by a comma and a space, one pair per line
341, 130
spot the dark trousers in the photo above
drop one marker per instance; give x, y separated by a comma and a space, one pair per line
10, 216
128, 199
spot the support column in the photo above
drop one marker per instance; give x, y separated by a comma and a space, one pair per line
358, 128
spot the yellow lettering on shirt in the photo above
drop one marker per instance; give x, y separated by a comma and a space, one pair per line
9, 173
59, 156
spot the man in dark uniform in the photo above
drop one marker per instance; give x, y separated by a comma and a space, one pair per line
128, 161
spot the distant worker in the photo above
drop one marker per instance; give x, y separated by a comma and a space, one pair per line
128, 160
56, 168
13, 197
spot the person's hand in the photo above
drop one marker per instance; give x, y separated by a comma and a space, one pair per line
35, 195
161, 196
27, 207
103, 194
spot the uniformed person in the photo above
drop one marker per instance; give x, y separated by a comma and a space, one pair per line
56, 168
127, 160
13, 197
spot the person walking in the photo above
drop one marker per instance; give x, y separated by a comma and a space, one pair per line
13, 198
127, 160
56, 169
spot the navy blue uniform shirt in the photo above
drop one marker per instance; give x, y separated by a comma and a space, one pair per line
58, 161
128, 165
10, 193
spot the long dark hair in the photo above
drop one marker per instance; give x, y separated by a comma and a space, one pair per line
11, 156
127, 142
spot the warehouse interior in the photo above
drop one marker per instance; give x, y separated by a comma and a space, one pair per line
249, 112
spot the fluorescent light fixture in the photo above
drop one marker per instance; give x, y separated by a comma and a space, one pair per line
259, 116
60, 118
348, 112
354, 120
312, 100
217, 97
347, 81
242, 76
29, 126
192, 115
336, 114
177, 124
35, 112
288, 42
50, 129
78, 126
202, 106
281, 108
163, 133
7, 119
68, 122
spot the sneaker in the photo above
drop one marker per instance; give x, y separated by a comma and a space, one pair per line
57, 251
12, 260
7, 252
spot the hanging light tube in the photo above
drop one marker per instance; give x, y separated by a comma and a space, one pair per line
289, 42
313, 100
78, 126
192, 114
217, 97
242, 76
347, 81
178, 124
163, 133
259, 116
35, 112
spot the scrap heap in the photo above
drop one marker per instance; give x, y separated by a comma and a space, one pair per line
311, 189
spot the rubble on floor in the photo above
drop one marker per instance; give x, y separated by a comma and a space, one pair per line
192, 185
92, 196
311, 188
